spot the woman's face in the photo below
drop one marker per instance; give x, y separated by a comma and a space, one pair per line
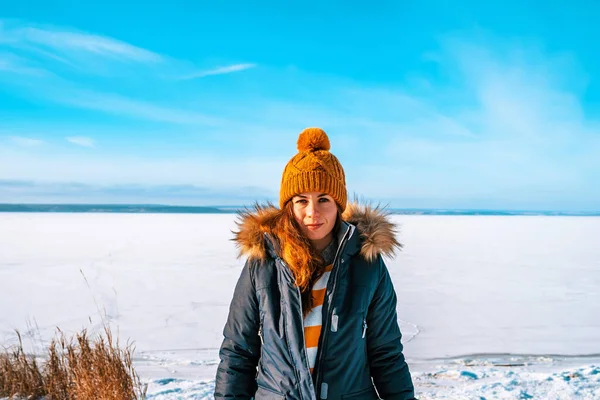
316, 213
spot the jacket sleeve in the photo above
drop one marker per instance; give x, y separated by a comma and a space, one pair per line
389, 370
240, 350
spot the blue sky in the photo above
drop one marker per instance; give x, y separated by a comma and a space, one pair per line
427, 104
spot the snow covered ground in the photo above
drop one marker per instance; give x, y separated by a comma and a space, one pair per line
490, 307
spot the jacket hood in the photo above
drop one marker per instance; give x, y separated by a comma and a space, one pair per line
377, 232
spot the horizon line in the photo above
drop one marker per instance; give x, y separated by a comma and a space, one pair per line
222, 208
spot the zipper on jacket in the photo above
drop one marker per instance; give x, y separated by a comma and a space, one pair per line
330, 308
313, 393
302, 329
303, 335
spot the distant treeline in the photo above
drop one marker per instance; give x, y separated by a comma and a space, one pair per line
165, 209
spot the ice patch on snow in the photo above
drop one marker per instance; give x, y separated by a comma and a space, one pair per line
180, 390
482, 382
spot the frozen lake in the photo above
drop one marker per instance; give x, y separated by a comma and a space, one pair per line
514, 300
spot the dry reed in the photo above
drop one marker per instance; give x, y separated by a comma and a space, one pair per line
20, 374
79, 368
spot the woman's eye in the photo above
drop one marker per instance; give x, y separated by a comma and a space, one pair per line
323, 199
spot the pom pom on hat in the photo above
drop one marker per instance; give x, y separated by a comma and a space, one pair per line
313, 139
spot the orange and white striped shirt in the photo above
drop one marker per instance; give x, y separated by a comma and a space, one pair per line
314, 319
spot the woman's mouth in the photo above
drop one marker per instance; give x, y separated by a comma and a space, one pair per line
313, 227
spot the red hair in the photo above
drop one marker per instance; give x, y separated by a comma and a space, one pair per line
299, 254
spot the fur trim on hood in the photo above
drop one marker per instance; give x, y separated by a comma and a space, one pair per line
377, 232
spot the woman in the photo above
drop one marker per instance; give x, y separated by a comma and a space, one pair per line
313, 314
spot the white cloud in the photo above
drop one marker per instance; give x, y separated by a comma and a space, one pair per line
25, 142
14, 64
93, 168
63, 92
5, 65
530, 136
81, 141
16, 191
25, 48
69, 42
121, 105
97, 55
219, 71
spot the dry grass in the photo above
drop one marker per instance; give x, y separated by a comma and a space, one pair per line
20, 374
79, 368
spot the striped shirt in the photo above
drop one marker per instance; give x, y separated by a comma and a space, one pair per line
314, 319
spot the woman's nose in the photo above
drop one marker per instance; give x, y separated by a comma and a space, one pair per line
311, 210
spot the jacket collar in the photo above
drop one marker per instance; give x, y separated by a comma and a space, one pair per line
375, 233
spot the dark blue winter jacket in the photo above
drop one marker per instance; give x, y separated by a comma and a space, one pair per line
360, 355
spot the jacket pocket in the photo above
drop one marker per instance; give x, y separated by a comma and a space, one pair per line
267, 394
365, 394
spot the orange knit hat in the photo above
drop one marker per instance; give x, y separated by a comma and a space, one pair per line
313, 169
